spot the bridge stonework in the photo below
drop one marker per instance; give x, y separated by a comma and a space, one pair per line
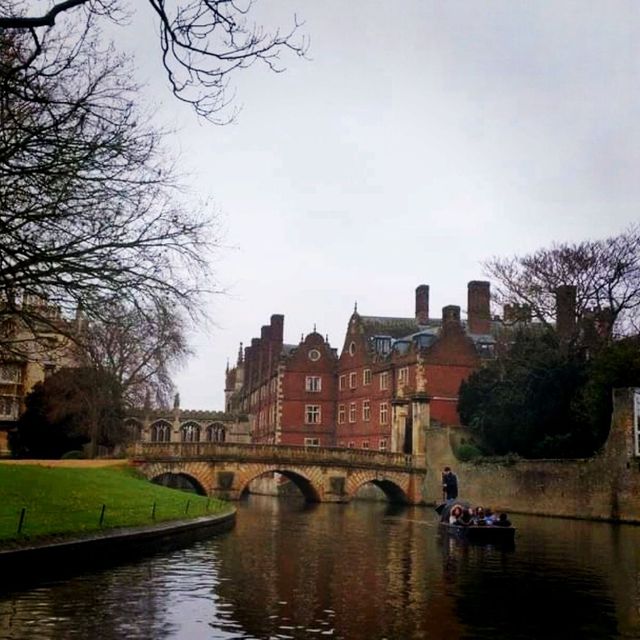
322, 474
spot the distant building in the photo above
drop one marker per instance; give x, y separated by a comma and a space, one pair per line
183, 425
30, 351
391, 374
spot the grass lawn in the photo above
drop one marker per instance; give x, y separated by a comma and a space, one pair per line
65, 501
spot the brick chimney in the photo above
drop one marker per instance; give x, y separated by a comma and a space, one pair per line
451, 318
422, 304
565, 310
277, 328
478, 306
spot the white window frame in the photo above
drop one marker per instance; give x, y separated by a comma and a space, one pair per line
384, 381
382, 445
313, 384
366, 377
353, 380
403, 376
342, 382
312, 414
353, 408
312, 442
342, 413
384, 410
365, 444
366, 410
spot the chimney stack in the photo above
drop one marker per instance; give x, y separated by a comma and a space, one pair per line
479, 307
451, 318
565, 310
422, 304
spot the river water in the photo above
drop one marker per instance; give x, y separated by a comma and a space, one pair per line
359, 571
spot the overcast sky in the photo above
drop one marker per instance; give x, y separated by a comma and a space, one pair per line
419, 138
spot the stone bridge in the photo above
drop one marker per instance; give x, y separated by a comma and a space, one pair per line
225, 470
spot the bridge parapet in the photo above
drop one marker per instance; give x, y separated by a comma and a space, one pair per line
322, 456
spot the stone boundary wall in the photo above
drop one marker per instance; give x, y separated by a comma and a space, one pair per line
605, 487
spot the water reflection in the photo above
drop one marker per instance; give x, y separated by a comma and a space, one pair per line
363, 570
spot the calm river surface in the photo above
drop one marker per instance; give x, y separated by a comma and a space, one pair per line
358, 571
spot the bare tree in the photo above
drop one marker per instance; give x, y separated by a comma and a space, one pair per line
202, 42
138, 349
91, 212
606, 274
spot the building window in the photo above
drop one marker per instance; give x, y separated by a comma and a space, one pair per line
384, 413
353, 380
312, 414
366, 377
342, 382
342, 414
215, 432
352, 445
311, 442
314, 355
384, 381
161, 432
8, 407
190, 432
403, 376
313, 383
352, 348
366, 410
352, 412
365, 444
10, 373
382, 445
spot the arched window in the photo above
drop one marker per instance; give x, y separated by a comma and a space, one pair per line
216, 432
190, 432
161, 431
133, 429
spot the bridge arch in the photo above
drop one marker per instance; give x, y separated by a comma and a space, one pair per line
180, 480
391, 487
306, 486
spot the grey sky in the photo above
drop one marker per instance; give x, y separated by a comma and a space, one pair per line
420, 138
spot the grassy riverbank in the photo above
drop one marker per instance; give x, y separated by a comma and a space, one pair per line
69, 501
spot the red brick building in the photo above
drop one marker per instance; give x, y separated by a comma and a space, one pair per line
287, 391
392, 372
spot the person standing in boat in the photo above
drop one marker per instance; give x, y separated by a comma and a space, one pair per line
449, 484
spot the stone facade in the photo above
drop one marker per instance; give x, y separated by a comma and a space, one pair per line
322, 475
605, 487
183, 425
32, 351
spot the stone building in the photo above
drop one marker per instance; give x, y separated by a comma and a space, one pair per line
30, 351
184, 425
393, 375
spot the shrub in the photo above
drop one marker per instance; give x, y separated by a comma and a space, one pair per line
466, 452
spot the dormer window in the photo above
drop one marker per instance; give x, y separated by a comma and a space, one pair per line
352, 348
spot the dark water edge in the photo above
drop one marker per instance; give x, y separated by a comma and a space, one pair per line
358, 571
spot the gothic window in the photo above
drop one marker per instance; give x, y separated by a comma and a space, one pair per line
161, 431
190, 432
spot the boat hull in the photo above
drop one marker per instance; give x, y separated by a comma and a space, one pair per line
488, 534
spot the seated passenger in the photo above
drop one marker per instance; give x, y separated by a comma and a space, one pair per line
503, 521
489, 516
456, 513
479, 517
465, 518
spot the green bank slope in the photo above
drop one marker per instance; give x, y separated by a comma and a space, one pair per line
61, 501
